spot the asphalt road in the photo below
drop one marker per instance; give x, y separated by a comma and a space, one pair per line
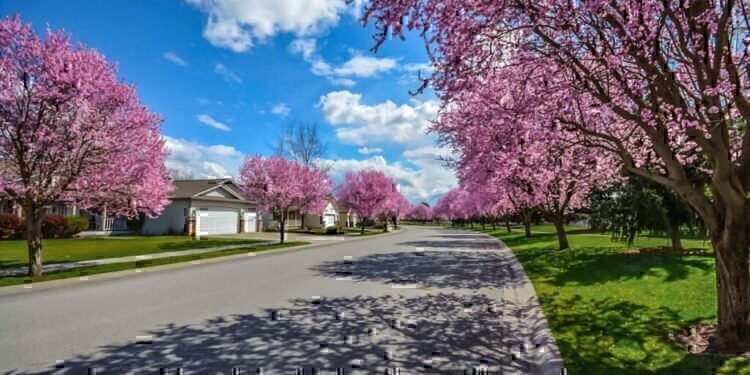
426, 300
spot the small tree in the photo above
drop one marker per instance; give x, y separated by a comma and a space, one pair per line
302, 143
281, 186
367, 193
70, 132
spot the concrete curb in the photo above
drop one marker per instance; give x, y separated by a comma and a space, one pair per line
85, 280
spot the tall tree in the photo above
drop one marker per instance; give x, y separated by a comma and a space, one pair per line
366, 192
302, 143
72, 133
281, 186
658, 84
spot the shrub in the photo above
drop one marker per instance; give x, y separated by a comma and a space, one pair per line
11, 226
136, 224
332, 230
54, 226
76, 224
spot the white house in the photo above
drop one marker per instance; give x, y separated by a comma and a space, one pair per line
329, 218
205, 207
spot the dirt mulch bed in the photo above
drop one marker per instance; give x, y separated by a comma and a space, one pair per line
699, 340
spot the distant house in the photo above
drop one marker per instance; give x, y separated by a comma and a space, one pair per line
293, 221
347, 217
329, 218
205, 207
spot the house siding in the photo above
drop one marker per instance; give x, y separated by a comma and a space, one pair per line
171, 220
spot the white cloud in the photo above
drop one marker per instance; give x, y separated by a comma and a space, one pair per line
426, 181
228, 75
203, 161
418, 67
365, 66
281, 110
208, 120
358, 123
358, 66
370, 150
173, 58
238, 24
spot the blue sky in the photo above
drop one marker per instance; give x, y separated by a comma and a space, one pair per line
228, 75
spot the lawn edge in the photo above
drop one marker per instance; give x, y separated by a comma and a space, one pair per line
75, 280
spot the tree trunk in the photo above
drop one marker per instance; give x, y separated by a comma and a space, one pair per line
527, 225
362, 232
281, 229
733, 289
507, 225
494, 225
34, 240
482, 224
562, 237
676, 236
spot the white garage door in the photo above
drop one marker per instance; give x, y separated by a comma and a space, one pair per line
250, 221
330, 220
218, 220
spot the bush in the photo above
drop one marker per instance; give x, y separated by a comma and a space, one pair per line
54, 226
76, 224
11, 226
332, 230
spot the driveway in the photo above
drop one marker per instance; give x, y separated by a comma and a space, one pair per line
426, 300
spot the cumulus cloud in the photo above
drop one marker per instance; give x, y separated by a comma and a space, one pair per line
358, 66
281, 110
238, 25
421, 179
227, 74
357, 123
370, 150
203, 161
208, 120
173, 58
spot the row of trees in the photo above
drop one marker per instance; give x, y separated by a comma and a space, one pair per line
580, 92
281, 186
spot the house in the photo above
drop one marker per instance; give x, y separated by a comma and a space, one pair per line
347, 217
329, 218
99, 223
293, 221
205, 207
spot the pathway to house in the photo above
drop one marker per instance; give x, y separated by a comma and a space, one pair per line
426, 300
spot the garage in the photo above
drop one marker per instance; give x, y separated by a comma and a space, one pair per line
251, 221
330, 220
218, 220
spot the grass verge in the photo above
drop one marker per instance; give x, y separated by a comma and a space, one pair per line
93, 270
611, 311
14, 254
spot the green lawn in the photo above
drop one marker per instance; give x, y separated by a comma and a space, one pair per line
86, 271
611, 311
14, 254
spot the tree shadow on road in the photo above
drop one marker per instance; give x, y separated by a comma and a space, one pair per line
440, 333
431, 269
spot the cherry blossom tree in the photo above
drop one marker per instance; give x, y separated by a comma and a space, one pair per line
420, 212
366, 192
281, 186
72, 133
395, 207
660, 85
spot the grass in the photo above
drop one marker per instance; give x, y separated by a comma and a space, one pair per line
13, 254
93, 270
611, 311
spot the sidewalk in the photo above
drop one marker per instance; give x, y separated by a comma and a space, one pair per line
20, 271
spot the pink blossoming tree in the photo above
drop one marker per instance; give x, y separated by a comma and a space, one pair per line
660, 85
281, 186
366, 192
420, 212
72, 133
394, 208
